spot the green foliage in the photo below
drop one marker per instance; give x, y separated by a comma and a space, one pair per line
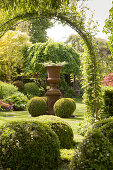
109, 30
28, 145
31, 89
7, 89
53, 51
95, 152
36, 106
11, 56
36, 29
74, 15
70, 93
61, 128
64, 107
18, 99
83, 127
107, 101
106, 127
19, 84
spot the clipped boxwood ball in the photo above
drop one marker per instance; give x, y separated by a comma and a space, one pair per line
64, 107
61, 128
28, 145
36, 106
95, 152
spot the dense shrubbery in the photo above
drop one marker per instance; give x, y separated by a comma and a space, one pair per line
31, 89
95, 152
70, 93
37, 106
61, 128
28, 145
18, 100
107, 101
64, 107
7, 89
106, 127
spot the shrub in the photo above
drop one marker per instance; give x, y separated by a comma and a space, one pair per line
102, 122
28, 145
106, 127
61, 128
7, 89
70, 93
64, 107
95, 152
31, 89
19, 84
18, 99
36, 106
107, 101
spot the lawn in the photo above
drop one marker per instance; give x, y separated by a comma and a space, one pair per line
78, 115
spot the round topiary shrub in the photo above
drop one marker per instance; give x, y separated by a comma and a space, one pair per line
28, 145
36, 106
64, 107
95, 152
31, 89
61, 128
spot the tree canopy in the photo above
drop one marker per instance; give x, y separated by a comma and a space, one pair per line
40, 53
11, 58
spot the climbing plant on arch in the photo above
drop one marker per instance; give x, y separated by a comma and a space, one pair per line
12, 12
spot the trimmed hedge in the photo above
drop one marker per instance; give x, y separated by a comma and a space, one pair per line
28, 145
107, 101
64, 107
95, 152
37, 106
31, 89
61, 128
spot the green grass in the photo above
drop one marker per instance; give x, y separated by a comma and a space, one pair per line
78, 116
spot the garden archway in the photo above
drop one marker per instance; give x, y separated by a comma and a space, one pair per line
69, 15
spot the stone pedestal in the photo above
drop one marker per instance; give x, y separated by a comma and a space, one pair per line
53, 79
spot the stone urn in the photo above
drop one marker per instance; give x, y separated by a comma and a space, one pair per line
53, 94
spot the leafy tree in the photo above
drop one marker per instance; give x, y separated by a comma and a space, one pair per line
56, 52
11, 46
109, 30
104, 52
36, 29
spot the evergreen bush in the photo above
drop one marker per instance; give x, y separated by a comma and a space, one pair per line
95, 152
61, 128
107, 101
31, 89
37, 106
64, 107
28, 145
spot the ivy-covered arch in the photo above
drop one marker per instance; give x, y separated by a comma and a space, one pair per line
19, 10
